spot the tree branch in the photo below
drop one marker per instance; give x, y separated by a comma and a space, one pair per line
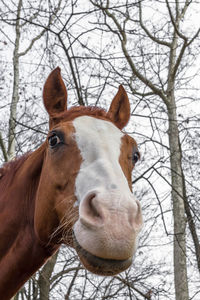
129, 284
3, 148
122, 35
153, 38
51, 19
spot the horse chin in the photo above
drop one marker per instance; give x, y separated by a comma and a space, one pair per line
98, 265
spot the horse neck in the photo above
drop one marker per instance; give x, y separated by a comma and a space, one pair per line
21, 253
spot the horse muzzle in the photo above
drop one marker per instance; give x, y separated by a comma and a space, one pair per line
106, 233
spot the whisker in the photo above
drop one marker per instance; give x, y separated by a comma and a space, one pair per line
66, 223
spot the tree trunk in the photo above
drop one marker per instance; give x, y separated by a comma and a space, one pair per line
67, 296
15, 94
180, 267
44, 278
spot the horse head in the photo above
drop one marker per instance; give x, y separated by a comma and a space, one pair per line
84, 198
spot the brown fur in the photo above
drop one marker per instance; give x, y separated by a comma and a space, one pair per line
8, 171
77, 111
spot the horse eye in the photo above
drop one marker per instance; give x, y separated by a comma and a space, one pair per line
136, 157
53, 140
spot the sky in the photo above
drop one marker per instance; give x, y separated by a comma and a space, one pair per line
35, 83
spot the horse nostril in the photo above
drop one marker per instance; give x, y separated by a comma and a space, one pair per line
92, 208
90, 211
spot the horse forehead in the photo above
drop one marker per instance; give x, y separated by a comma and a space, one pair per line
96, 132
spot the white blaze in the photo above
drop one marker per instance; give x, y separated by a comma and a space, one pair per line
99, 142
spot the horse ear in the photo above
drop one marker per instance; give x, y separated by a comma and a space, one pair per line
55, 93
119, 111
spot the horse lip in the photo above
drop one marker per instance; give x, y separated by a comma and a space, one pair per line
98, 265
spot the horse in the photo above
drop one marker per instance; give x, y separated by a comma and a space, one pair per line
75, 189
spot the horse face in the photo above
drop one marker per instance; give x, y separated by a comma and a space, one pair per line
109, 216
84, 197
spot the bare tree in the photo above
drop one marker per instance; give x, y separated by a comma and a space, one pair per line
175, 45
99, 45
19, 25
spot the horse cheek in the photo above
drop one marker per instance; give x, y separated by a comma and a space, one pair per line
45, 218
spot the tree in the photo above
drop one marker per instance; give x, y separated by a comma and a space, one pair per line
175, 46
19, 25
17, 54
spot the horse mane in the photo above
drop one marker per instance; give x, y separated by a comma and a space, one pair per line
9, 169
77, 111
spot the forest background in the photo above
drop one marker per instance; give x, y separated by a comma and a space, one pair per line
152, 48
